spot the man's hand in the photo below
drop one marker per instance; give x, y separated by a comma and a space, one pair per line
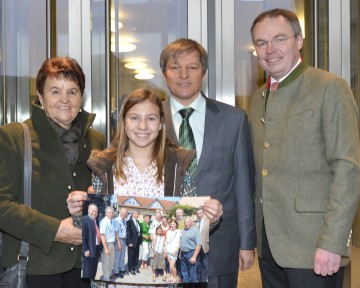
246, 259
68, 233
87, 253
326, 263
192, 260
213, 210
75, 202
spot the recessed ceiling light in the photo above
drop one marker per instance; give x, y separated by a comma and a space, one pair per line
113, 27
123, 47
144, 76
135, 65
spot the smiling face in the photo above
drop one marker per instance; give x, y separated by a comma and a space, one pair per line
173, 226
93, 211
179, 213
136, 215
184, 77
109, 213
200, 214
61, 100
142, 125
188, 223
123, 213
146, 219
278, 60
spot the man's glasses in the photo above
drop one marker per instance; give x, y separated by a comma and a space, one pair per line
277, 42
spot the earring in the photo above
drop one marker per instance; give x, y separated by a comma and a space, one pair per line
80, 110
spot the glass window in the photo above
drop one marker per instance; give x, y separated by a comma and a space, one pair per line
21, 54
139, 32
248, 73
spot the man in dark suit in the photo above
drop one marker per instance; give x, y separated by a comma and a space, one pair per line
224, 165
91, 242
133, 241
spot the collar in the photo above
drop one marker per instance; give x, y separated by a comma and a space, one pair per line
199, 105
281, 79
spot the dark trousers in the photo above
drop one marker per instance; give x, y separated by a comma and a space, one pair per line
90, 267
133, 257
202, 266
274, 276
222, 281
70, 279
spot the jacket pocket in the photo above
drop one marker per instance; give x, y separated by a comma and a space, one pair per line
310, 205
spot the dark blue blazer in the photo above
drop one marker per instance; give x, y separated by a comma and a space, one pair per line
132, 236
89, 237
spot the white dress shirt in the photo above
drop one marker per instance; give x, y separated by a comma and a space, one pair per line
196, 120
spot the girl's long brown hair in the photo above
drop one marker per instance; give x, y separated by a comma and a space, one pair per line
120, 143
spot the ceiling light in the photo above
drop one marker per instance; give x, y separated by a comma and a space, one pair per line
144, 76
123, 47
113, 27
135, 65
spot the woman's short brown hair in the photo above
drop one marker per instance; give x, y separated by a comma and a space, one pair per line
60, 67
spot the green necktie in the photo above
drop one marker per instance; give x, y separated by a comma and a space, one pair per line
186, 136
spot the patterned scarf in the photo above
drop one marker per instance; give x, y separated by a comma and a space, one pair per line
69, 138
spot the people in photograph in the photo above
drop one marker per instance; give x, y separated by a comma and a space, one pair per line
172, 246
146, 241
107, 232
304, 130
133, 242
158, 254
165, 227
61, 140
91, 242
164, 224
190, 245
202, 224
155, 223
138, 151
120, 247
223, 168
179, 214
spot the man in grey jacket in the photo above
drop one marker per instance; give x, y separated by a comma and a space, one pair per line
304, 131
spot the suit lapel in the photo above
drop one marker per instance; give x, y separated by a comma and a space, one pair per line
212, 124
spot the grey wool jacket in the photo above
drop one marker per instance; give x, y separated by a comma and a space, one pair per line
307, 161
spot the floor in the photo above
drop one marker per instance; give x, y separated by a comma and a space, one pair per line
252, 279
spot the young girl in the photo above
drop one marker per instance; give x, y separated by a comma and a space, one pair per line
157, 253
172, 246
140, 161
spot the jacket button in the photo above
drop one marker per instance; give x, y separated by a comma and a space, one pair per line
74, 174
264, 172
260, 200
72, 249
266, 145
69, 187
84, 146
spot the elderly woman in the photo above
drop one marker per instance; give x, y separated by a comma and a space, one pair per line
61, 143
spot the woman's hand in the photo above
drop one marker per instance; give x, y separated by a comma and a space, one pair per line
68, 233
75, 202
213, 210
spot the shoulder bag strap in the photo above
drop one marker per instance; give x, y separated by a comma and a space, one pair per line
24, 250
